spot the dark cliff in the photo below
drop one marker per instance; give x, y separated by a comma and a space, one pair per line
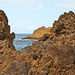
5, 30
10, 62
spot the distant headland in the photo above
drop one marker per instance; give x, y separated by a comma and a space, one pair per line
38, 33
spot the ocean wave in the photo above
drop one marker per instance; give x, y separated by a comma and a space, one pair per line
21, 43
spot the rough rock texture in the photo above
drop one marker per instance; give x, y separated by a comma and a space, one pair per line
47, 59
48, 56
44, 37
38, 33
54, 54
63, 30
52, 60
5, 30
10, 61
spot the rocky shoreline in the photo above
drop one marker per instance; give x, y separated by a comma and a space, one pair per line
38, 33
30, 38
53, 54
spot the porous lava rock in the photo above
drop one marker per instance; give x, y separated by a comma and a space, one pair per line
63, 30
10, 61
5, 30
54, 54
54, 60
44, 57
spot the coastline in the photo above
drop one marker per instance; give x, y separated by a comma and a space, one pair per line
53, 54
30, 38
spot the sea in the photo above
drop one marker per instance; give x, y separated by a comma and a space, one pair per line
21, 43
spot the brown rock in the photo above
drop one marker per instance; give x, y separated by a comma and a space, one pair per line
16, 67
10, 62
45, 37
63, 30
58, 60
54, 55
38, 33
5, 29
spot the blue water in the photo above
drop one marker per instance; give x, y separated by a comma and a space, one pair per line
20, 43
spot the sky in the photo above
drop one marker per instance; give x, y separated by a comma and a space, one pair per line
25, 16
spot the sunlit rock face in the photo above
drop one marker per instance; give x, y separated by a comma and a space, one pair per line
38, 33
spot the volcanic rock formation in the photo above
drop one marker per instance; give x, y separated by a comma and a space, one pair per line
10, 61
5, 31
53, 54
38, 33
63, 30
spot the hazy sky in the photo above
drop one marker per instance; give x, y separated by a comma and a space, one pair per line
27, 15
